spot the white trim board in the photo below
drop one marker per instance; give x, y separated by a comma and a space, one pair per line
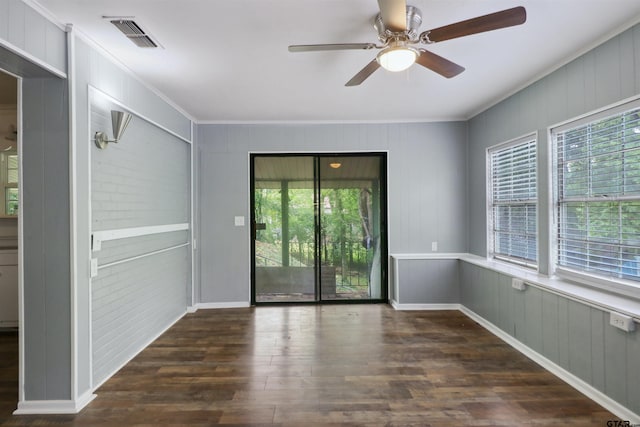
21, 310
94, 90
433, 255
45, 407
125, 233
249, 122
425, 307
73, 208
216, 305
35, 61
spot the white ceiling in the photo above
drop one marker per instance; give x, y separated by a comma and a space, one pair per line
227, 61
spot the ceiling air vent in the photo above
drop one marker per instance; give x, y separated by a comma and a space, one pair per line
134, 33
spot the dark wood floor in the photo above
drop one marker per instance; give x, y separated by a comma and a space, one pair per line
351, 365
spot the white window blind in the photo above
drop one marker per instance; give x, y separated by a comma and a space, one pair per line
598, 195
513, 202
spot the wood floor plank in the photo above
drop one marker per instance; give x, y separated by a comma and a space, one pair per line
333, 365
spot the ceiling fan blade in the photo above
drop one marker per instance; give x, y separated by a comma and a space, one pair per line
336, 46
438, 64
364, 73
394, 14
481, 24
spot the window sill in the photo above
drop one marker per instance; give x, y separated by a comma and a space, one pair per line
584, 294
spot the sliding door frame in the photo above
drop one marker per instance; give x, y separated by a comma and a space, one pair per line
384, 246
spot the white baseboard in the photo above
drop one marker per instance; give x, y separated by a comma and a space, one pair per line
213, 305
398, 306
592, 393
40, 407
192, 309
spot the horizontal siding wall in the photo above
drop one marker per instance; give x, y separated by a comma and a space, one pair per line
141, 181
134, 302
574, 336
159, 156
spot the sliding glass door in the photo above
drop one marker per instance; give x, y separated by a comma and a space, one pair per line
318, 228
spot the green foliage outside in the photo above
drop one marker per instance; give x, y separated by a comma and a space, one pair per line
344, 221
600, 195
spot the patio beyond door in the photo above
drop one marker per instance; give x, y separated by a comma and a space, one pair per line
318, 230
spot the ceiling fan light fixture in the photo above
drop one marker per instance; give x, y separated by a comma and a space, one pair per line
397, 58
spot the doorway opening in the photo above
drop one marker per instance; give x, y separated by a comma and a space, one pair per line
9, 231
318, 228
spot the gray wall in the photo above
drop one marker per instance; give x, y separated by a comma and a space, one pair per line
46, 241
46, 206
574, 336
426, 189
23, 29
95, 70
34, 48
143, 180
433, 281
604, 75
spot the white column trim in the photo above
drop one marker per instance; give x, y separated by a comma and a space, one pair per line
46, 407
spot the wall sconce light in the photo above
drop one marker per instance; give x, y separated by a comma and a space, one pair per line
119, 120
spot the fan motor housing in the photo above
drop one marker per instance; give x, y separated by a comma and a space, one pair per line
414, 20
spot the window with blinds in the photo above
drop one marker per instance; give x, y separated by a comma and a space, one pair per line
598, 193
9, 178
513, 201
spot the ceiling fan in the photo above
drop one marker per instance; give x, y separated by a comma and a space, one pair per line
397, 25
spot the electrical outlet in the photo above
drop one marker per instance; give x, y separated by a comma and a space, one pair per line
518, 284
434, 246
621, 321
